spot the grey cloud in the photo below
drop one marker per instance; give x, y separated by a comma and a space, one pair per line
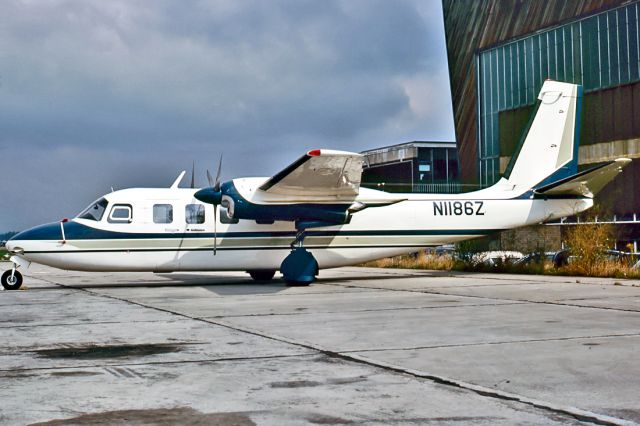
144, 87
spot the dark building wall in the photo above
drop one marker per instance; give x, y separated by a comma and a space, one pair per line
412, 167
607, 115
397, 177
472, 25
619, 197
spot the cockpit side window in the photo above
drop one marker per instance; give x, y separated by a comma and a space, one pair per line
121, 213
95, 211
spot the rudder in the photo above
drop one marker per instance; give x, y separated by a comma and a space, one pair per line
550, 148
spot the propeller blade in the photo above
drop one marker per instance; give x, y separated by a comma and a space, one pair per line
215, 229
209, 178
193, 175
217, 184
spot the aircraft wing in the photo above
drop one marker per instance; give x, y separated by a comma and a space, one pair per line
587, 183
320, 172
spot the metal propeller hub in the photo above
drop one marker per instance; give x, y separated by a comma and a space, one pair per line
209, 195
212, 194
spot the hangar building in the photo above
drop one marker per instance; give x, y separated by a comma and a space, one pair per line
417, 166
501, 51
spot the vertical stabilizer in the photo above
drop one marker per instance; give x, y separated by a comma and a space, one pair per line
550, 149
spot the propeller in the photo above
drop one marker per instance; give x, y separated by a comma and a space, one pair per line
193, 175
212, 195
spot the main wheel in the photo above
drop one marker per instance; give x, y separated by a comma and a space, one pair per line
262, 274
11, 282
299, 268
292, 283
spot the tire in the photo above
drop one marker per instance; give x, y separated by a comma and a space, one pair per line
292, 283
298, 283
262, 274
10, 284
299, 268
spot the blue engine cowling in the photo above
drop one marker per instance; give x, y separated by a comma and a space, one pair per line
310, 215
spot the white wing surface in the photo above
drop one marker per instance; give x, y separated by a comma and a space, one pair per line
320, 173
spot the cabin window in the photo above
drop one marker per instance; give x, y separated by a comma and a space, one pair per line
121, 213
95, 211
194, 213
162, 213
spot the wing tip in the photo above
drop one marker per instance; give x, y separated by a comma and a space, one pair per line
332, 152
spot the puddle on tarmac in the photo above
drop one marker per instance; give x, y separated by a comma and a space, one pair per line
108, 351
162, 416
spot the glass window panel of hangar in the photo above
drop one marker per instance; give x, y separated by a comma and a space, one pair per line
598, 52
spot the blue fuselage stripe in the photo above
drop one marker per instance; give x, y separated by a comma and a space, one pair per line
76, 231
260, 248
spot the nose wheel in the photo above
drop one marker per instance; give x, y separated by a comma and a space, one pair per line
11, 279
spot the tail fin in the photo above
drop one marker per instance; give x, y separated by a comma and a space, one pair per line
550, 149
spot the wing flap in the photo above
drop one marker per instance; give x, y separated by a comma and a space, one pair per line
319, 172
587, 183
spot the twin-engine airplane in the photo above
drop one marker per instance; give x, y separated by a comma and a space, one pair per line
314, 214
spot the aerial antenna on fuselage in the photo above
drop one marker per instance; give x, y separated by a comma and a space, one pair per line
112, 189
178, 180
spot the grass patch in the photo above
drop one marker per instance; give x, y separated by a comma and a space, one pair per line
424, 260
420, 260
603, 268
588, 257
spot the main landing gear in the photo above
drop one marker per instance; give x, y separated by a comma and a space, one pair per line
299, 268
262, 274
11, 279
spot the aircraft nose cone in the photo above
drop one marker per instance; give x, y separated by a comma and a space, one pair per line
49, 231
208, 195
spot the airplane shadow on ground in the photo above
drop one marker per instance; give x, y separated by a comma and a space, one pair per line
368, 277
229, 286
223, 286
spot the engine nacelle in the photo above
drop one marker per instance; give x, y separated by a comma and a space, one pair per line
240, 208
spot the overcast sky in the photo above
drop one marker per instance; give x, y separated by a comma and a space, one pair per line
95, 94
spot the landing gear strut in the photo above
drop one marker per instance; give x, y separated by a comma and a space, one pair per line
11, 279
299, 268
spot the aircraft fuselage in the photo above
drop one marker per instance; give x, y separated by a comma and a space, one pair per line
163, 233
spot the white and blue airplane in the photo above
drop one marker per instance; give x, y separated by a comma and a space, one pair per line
314, 214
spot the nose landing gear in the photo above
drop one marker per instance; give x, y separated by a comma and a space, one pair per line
11, 279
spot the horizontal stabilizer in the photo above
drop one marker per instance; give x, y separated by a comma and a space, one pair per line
587, 183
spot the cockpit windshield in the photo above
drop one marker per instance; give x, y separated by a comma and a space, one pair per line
95, 210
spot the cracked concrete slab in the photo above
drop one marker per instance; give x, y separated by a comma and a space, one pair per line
596, 373
284, 391
362, 345
454, 325
305, 303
